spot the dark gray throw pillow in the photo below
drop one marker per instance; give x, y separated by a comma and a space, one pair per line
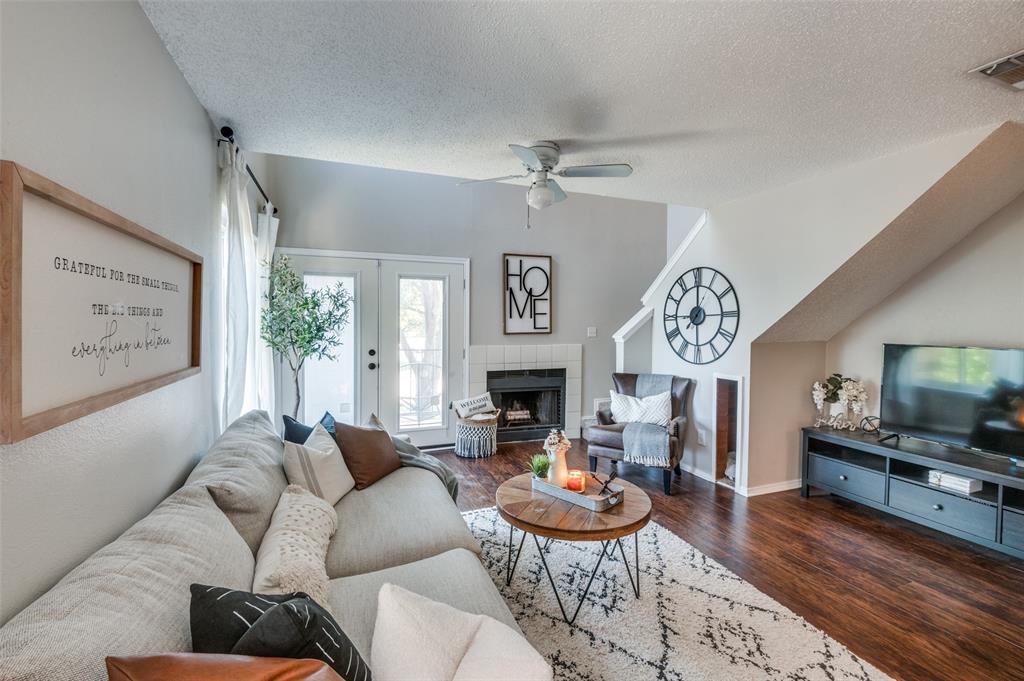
298, 432
233, 622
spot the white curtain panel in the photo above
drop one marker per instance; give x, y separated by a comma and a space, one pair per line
240, 287
266, 239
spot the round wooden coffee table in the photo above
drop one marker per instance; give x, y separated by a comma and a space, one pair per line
542, 515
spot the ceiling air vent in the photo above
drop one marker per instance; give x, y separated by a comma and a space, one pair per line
1009, 70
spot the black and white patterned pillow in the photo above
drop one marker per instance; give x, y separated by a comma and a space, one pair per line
228, 621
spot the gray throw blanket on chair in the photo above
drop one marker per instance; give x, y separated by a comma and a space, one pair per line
646, 443
410, 455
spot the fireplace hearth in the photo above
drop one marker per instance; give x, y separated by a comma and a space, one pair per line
532, 402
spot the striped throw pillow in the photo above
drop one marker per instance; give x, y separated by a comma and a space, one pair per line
318, 466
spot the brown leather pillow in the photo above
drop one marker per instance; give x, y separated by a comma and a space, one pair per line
203, 667
369, 453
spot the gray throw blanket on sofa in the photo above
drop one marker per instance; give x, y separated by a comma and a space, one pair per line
410, 455
646, 443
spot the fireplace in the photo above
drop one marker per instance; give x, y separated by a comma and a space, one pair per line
532, 402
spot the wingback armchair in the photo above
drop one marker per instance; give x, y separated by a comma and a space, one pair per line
605, 440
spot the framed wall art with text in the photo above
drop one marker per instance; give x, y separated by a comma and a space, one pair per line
94, 309
527, 293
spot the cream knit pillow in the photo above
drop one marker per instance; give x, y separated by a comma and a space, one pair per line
291, 557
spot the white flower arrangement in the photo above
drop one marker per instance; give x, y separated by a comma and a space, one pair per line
555, 439
853, 395
849, 393
818, 394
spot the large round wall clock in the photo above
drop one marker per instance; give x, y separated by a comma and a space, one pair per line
702, 314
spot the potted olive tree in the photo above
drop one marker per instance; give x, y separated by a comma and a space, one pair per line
300, 322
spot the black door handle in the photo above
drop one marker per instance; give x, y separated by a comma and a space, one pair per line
372, 366
372, 352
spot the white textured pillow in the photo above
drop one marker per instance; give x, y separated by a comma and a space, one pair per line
656, 409
291, 557
318, 466
417, 638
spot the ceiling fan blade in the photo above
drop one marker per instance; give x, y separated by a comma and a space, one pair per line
528, 156
559, 195
493, 179
602, 170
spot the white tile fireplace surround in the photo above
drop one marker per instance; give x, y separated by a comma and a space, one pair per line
484, 358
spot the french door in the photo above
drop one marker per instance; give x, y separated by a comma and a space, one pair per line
403, 352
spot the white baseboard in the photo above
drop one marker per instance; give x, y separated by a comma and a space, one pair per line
692, 470
771, 488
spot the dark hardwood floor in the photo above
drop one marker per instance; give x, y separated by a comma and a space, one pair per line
916, 603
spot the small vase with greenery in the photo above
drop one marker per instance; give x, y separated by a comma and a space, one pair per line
299, 322
539, 465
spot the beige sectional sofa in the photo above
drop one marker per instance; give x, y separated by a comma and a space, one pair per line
132, 596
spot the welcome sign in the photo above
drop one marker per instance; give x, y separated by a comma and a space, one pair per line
95, 308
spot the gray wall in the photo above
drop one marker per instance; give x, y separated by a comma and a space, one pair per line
91, 99
606, 251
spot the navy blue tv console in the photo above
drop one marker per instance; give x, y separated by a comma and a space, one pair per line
892, 476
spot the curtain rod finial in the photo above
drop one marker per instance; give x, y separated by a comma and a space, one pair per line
228, 133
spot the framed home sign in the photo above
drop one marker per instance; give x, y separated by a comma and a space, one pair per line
527, 293
94, 309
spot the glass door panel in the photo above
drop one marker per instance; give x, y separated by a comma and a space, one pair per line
332, 382
421, 348
346, 385
422, 342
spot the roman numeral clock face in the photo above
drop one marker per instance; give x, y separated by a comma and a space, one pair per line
702, 314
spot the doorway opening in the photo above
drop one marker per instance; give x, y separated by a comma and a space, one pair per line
727, 429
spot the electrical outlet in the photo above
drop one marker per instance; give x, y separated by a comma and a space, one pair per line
591, 332
701, 438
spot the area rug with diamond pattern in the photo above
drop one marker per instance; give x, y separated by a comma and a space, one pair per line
694, 619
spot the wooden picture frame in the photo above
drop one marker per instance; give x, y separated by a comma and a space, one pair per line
524, 309
17, 186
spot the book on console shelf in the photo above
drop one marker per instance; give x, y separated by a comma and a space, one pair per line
956, 483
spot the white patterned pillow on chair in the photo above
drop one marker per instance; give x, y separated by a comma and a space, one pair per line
656, 409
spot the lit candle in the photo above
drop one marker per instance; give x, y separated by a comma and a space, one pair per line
576, 482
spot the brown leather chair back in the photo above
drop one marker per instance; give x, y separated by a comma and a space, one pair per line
625, 384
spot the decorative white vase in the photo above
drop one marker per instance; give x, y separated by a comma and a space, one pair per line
558, 471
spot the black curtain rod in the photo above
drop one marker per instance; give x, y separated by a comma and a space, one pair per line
228, 135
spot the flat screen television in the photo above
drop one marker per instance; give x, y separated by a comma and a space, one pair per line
966, 397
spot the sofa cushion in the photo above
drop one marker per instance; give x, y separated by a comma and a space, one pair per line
455, 577
406, 516
198, 666
244, 471
443, 643
605, 435
129, 598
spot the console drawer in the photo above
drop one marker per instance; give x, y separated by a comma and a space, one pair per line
1013, 529
948, 509
846, 478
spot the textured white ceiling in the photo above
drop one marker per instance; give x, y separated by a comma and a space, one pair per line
708, 101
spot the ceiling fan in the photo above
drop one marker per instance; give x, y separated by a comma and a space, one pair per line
540, 161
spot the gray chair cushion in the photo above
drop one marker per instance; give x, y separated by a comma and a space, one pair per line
129, 598
605, 435
456, 578
244, 471
403, 517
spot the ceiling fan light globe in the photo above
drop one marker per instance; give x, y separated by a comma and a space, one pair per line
540, 196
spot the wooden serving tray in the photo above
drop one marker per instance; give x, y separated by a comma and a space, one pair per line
588, 499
